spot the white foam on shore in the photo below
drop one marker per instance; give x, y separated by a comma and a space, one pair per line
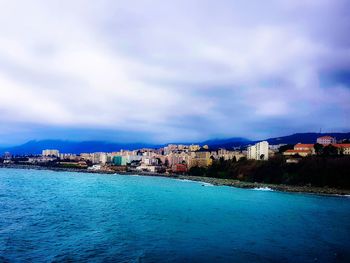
262, 189
346, 196
193, 181
185, 180
206, 184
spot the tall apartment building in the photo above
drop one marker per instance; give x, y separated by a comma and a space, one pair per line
49, 152
259, 151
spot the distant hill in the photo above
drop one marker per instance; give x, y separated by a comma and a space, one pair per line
290, 139
36, 147
310, 137
226, 143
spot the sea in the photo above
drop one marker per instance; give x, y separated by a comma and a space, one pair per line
50, 216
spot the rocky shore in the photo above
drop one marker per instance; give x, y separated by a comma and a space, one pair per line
275, 187
209, 180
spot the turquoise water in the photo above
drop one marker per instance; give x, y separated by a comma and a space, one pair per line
50, 216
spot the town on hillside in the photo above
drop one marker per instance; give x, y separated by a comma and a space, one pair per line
177, 158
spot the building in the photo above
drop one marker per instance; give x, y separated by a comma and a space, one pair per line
194, 147
304, 150
201, 159
132, 158
305, 147
325, 140
276, 147
301, 149
293, 152
7, 156
259, 151
99, 158
147, 168
49, 152
176, 158
179, 168
119, 160
344, 148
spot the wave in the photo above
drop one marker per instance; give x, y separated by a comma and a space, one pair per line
263, 189
185, 180
346, 196
193, 181
206, 184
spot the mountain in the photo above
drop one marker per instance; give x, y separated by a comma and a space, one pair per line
310, 137
36, 147
226, 143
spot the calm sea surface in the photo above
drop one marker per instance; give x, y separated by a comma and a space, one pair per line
50, 216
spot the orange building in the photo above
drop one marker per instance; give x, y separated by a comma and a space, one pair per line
301, 149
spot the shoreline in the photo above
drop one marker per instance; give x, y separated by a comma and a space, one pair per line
210, 180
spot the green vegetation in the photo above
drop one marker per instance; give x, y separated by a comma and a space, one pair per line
321, 171
328, 150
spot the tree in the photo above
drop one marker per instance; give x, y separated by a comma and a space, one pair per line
286, 147
166, 162
318, 148
330, 150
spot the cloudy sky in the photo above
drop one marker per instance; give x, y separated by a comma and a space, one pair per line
184, 70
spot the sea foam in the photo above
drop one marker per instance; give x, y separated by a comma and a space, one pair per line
263, 189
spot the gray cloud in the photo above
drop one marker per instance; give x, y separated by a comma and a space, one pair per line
180, 70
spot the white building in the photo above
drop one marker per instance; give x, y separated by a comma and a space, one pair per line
259, 151
49, 152
325, 140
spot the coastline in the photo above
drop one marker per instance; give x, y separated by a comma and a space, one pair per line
210, 180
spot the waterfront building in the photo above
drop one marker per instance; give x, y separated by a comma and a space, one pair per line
49, 152
86, 156
119, 160
179, 168
259, 151
176, 158
201, 159
69, 156
147, 168
326, 140
7, 156
99, 158
132, 157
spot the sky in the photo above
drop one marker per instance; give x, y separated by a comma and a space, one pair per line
165, 71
